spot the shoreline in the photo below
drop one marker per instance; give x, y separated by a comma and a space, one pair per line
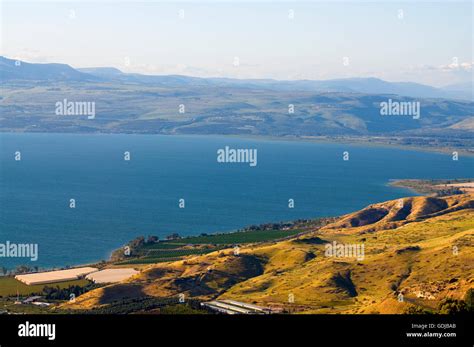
355, 141
398, 183
434, 187
390, 182
104, 262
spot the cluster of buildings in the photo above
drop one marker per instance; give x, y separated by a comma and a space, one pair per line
234, 307
32, 300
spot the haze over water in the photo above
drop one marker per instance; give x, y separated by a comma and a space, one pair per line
118, 200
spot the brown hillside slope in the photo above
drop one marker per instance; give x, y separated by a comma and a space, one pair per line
423, 249
395, 213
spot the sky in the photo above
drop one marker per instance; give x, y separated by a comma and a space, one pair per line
417, 41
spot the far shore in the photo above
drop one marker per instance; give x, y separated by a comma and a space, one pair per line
372, 141
436, 186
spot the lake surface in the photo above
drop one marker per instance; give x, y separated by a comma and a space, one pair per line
117, 200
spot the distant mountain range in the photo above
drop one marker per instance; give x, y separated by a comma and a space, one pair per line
19, 70
174, 104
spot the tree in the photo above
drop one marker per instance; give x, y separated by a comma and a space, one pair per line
136, 243
415, 309
152, 239
21, 269
469, 299
452, 306
173, 236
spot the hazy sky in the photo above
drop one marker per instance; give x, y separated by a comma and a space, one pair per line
429, 43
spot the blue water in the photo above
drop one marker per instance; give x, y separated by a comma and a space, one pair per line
117, 200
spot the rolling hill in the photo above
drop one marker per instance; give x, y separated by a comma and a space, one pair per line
421, 250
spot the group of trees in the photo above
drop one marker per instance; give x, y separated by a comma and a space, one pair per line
299, 223
173, 236
146, 304
269, 226
20, 269
447, 191
141, 241
134, 246
449, 305
56, 293
453, 306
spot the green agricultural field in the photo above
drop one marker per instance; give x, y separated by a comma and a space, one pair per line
173, 250
237, 237
156, 253
147, 260
9, 286
160, 245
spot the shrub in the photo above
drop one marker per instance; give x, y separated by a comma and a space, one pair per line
469, 299
415, 309
452, 306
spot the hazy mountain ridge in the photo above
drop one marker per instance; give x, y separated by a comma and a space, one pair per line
134, 103
19, 70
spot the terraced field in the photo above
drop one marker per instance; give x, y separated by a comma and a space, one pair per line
199, 245
238, 237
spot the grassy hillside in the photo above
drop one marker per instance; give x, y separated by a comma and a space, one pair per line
154, 109
421, 249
